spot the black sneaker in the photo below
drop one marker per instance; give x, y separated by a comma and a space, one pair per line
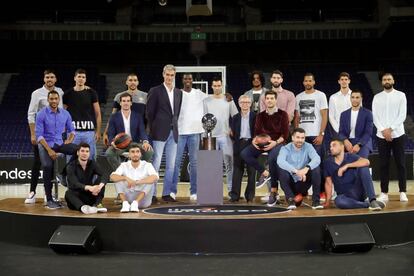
291, 204
272, 199
168, 198
316, 205
51, 204
154, 200
262, 181
376, 205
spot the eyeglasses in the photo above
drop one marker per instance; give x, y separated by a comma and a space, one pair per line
245, 102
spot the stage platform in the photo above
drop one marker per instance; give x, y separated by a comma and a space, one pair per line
187, 228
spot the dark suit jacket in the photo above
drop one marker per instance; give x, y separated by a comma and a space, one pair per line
236, 128
363, 127
116, 125
161, 119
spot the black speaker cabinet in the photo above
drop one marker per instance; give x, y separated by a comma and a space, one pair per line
348, 237
72, 239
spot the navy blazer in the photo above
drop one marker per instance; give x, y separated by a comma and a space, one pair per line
116, 125
161, 119
236, 128
363, 128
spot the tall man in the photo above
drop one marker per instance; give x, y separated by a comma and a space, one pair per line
86, 183
311, 114
51, 122
189, 129
355, 127
339, 102
135, 181
242, 127
299, 170
274, 123
83, 105
257, 92
38, 101
350, 176
132, 123
286, 100
139, 100
389, 109
223, 110
163, 110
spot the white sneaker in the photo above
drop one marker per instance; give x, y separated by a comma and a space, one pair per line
193, 197
86, 209
31, 198
173, 195
403, 197
383, 197
126, 207
134, 206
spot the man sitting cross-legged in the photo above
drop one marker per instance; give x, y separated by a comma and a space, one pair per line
135, 181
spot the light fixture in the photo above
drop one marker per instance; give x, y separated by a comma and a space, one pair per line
162, 2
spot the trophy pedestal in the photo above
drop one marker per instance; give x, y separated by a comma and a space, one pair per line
209, 143
210, 177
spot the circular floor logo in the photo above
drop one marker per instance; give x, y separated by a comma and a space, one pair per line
215, 210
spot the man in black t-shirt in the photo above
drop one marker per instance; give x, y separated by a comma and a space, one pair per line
83, 105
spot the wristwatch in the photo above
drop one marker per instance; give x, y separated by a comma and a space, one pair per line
322, 133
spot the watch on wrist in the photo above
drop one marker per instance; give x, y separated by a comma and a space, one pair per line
322, 133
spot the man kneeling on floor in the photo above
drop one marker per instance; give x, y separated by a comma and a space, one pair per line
298, 164
134, 181
349, 174
86, 183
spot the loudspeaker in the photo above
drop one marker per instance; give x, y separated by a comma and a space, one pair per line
72, 239
348, 237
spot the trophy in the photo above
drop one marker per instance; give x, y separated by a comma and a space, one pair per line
209, 121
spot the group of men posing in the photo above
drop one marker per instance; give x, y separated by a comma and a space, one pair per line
172, 118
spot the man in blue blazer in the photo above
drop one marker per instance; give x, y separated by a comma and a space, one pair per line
132, 123
355, 127
242, 128
163, 109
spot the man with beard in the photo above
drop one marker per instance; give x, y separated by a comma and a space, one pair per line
86, 183
257, 92
299, 170
355, 127
189, 130
389, 109
51, 122
286, 100
139, 101
37, 102
349, 175
274, 123
134, 181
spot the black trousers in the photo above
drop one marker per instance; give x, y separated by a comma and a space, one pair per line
397, 146
35, 169
76, 198
238, 169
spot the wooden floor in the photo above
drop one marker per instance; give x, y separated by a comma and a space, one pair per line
16, 205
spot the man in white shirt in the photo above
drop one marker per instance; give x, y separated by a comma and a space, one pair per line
389, 109
135, 181
339, 102
189, 130
37, 102
223, 110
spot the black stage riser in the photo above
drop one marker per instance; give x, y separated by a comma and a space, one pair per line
206, 235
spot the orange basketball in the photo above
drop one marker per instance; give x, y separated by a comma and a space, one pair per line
122, 140
262, 140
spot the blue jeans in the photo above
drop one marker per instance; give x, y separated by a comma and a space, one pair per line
89, 138
362, 188
292, 188
250, 155
193, 143
225, 144
170, 153
47, 164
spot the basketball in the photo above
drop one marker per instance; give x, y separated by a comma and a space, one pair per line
122, 140
262, 140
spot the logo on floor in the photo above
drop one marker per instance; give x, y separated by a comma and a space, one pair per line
215, 210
